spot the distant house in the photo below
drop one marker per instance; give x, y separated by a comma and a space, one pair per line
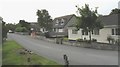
34, 26
60, 25
111, 29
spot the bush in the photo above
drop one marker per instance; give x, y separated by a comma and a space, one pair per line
87, 41
118, 41
47, 35
21, 29
110, 39
65, 39
80, 40
4, 31
94, 40
18, 29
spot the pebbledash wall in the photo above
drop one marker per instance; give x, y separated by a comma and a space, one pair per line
102, 37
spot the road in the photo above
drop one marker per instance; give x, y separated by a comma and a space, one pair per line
76, 55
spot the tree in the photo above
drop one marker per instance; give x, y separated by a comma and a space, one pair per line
25, 24
21, 29
115, 11
88, 20
44, 19
4, 31
17, 25
11, 26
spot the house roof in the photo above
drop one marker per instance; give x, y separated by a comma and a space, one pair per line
66, 20
33, 22
109, 19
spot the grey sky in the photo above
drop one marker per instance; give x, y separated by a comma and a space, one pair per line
14, 10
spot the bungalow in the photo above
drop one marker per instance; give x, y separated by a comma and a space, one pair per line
60, 25
111, 29
34, 26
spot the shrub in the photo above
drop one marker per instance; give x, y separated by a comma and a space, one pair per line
117, 42
109, 38
80, 40
65, 39
113, 41
21, 29
94, 40
47, 34
87, 41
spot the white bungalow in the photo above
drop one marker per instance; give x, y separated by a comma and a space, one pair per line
111, 28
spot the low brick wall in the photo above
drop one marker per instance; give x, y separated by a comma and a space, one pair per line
95, 45
104, 46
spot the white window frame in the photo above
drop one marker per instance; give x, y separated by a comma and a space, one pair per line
62, 21
60, 30
57, 22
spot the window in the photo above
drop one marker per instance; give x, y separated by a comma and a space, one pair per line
43, 15
112, 31
57, 22
43, 29
60, 30
74, 31
117, 30
86, 32
54, 29
57, 30
62, 21
82, 32
92, 32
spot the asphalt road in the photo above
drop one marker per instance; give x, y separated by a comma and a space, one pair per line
76, 55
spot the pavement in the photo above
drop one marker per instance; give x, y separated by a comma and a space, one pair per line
76, 55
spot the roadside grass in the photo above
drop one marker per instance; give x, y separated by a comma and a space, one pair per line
11, 56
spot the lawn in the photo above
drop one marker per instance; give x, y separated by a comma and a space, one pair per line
12, 56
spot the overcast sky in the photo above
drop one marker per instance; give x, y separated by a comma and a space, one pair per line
14, 10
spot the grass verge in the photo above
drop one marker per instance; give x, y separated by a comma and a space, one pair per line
11, 56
